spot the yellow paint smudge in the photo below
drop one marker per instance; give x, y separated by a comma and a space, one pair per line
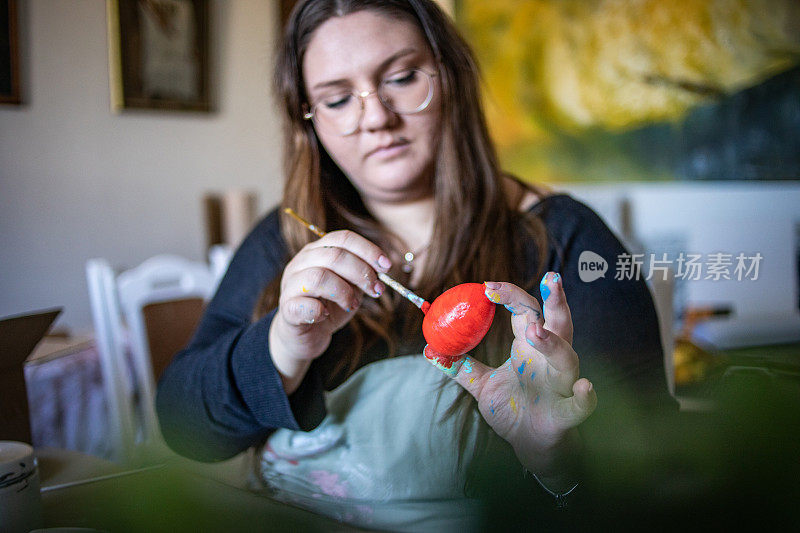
303, 288
471, 380
513, 405
493, 296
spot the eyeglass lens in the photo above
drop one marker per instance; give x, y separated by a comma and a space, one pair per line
405, 92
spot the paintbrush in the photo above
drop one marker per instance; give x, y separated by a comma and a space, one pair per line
401, 290
449, 335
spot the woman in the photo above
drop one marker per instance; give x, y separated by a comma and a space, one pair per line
388, 151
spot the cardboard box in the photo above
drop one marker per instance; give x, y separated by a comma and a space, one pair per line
55, 345
19, 335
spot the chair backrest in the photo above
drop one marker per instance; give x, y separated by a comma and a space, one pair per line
110, 340
161, 302
169, 327
160, 279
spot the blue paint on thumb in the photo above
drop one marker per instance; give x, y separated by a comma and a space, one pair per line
544, 289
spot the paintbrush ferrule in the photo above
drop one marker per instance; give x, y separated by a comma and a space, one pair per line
404, 292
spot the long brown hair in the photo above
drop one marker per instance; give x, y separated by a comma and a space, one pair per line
476, 234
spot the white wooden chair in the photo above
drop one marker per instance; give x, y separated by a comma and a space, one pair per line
121, 306
110, 341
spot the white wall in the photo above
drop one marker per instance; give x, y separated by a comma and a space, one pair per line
77, 181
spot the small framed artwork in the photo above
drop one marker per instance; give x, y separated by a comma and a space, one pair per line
9, 54
158, 54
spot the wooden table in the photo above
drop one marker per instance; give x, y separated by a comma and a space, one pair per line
165, 497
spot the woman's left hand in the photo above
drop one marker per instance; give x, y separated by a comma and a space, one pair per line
535, 399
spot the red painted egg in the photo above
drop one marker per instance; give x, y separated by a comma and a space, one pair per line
457, 320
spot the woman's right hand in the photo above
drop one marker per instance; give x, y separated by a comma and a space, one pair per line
321, 288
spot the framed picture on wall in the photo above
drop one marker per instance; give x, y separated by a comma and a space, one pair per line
158, 54
9, 54
649, 90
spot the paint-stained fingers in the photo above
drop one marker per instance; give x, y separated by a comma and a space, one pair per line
467, 371
369, 252
559, 355
317, 282
524, 308
304, 310
472, 375
522, 355
448, 365
343, 263
557, 316
577, 408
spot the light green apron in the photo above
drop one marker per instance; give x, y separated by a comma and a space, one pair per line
382, 458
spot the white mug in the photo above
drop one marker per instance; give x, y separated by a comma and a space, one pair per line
20, 501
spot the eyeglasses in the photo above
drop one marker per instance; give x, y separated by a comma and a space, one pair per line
405, 92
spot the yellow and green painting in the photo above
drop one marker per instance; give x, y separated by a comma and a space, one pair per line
598, 90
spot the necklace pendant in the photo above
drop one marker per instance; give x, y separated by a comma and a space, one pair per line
408, 266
